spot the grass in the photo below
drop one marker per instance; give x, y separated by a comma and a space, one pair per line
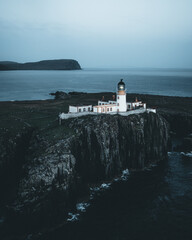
43, 115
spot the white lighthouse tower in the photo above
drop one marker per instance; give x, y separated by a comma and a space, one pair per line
121, 97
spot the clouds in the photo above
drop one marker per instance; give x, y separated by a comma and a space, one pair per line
98, 33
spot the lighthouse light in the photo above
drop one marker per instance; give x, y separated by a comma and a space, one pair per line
121, 85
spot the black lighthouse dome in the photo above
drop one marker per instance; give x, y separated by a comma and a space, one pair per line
121, 85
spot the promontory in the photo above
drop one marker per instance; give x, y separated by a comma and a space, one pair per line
47, 168
58, 64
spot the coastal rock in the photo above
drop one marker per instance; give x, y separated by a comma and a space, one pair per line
59, 95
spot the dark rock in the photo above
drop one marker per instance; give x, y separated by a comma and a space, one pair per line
185, 145
59, 95
77, 93
180, 123
12, 157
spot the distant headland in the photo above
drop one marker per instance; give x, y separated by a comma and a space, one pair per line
59, 64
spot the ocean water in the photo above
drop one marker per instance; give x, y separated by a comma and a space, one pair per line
36, 85
153, 204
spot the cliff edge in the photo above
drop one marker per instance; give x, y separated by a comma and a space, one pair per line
63, 162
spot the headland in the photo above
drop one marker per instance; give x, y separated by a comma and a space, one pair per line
58, 64
44, 162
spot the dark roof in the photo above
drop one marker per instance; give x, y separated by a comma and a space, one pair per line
121, 82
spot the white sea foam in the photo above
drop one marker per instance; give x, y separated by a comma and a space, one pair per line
82, 206
101, 188
125, 175
116, 179
73, 217
105, 185
189, 154
169, 153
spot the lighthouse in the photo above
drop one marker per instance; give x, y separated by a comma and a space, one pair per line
121, 97
112, 106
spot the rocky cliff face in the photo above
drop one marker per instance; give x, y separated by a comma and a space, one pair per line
108, 144
12, 156
98, 148
180, 123
91, 149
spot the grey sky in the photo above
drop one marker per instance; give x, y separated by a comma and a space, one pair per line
100, 33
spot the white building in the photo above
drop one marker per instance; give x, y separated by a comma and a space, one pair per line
118, 106
135, 105
80, 108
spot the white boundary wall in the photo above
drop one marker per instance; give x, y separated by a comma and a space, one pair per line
81, 114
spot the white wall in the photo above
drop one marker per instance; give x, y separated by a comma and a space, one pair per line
72, 109
75, 109
121, 102
95, 109
105, 108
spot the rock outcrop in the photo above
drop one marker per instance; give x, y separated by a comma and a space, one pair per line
60, 95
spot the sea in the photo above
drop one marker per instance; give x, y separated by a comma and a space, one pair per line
154, 204
36, 85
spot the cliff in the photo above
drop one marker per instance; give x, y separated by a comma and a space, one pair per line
63, 161
60, 64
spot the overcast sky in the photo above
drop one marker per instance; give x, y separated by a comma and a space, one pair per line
98, 33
